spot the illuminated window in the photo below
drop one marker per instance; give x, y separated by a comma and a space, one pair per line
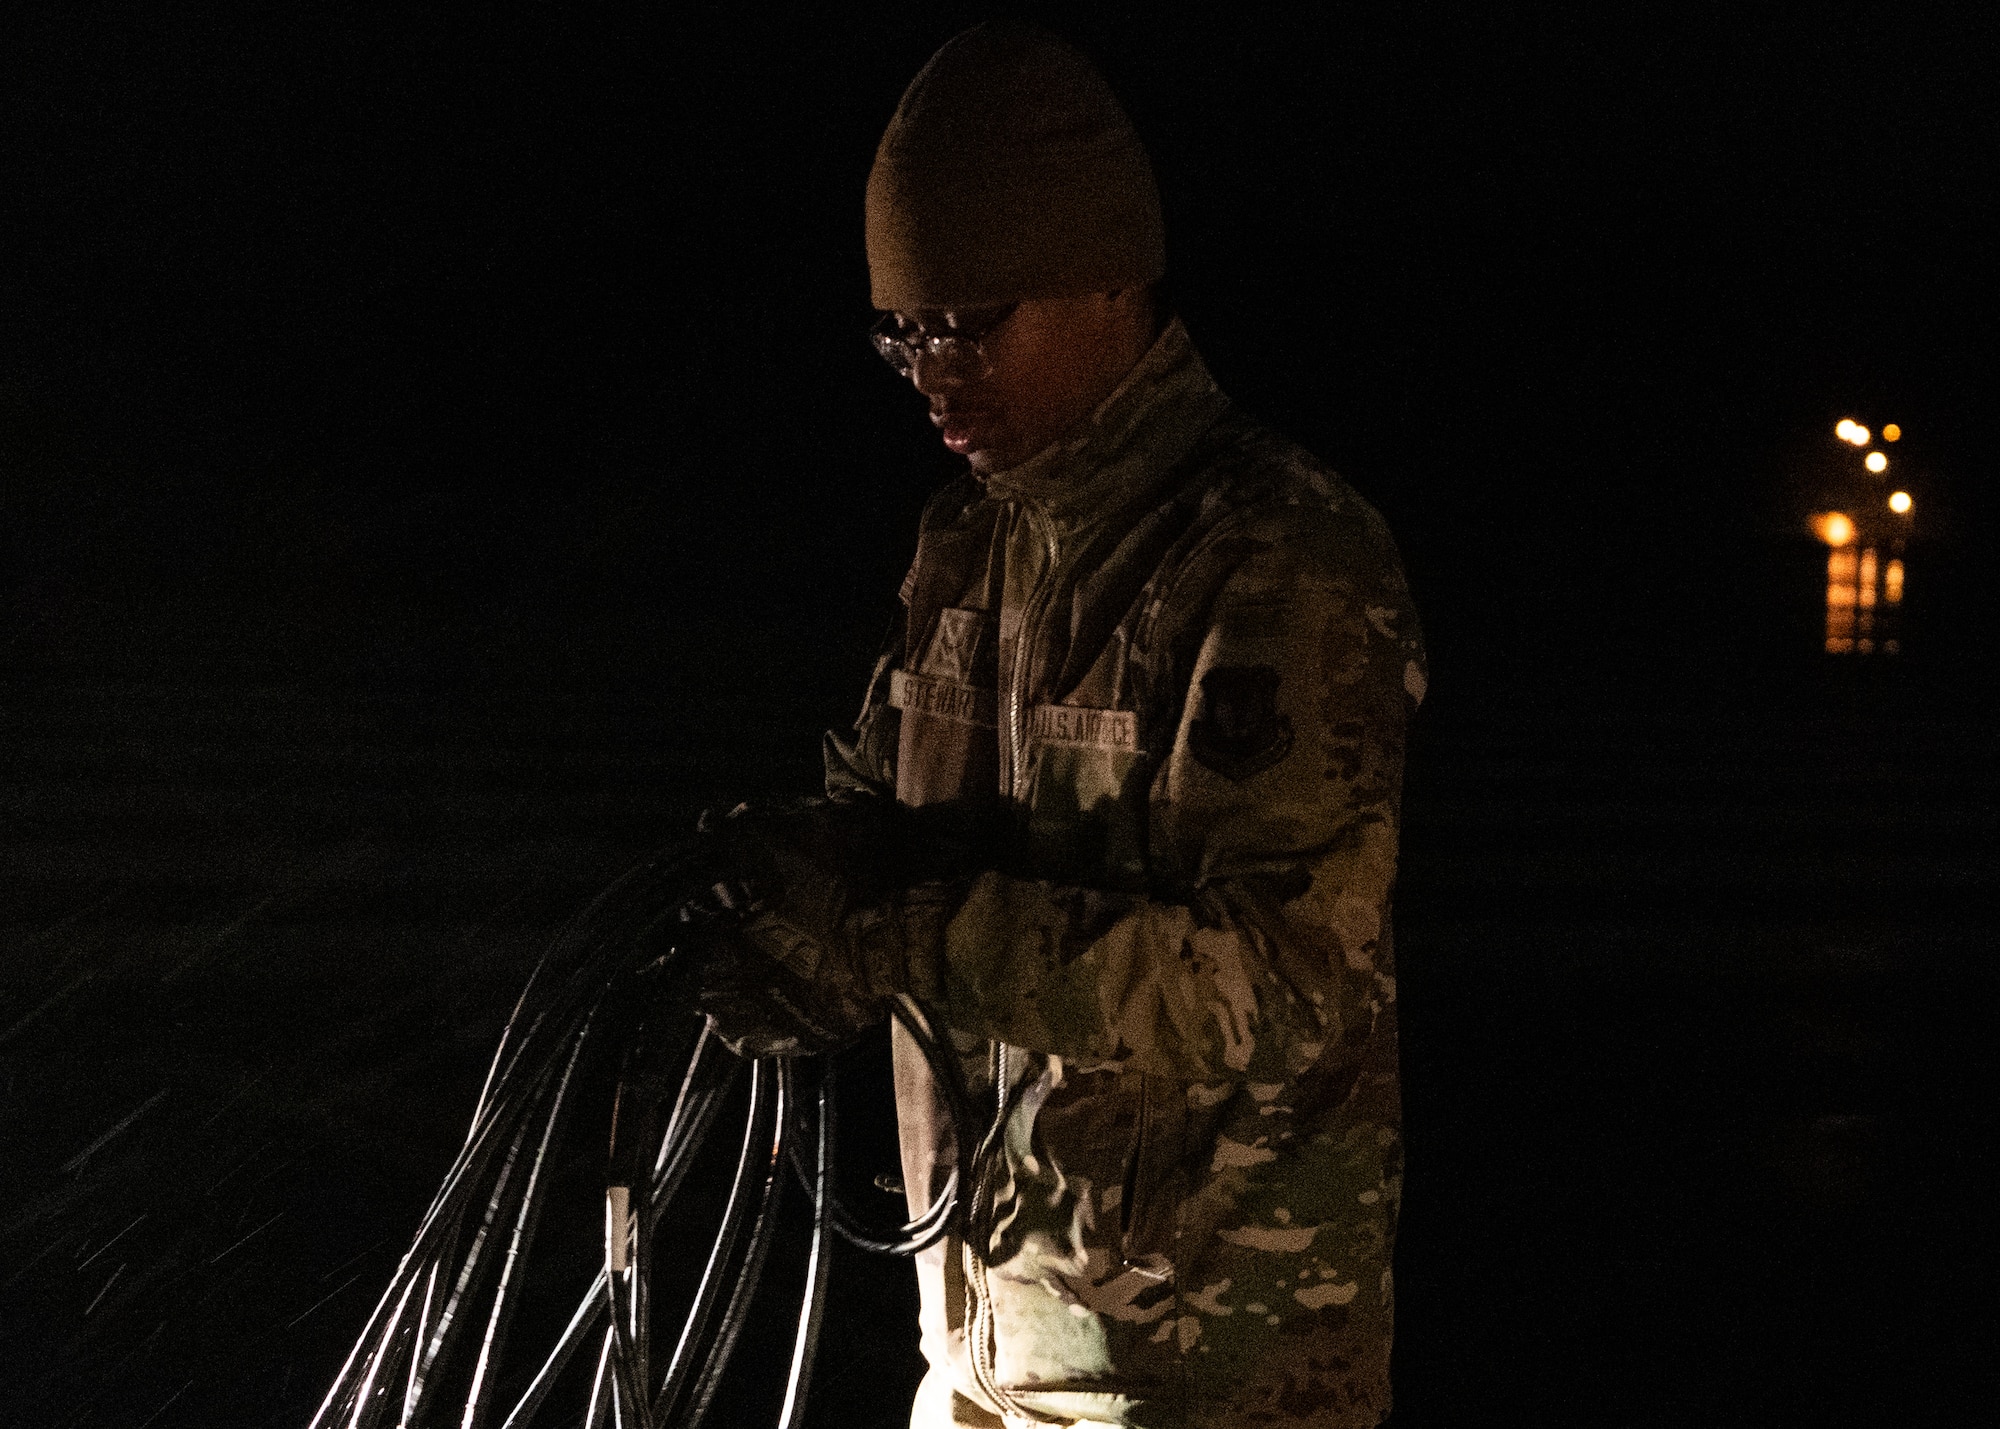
1841, 566
1863, 593
1866, 526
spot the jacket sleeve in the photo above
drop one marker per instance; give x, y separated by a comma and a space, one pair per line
1274, 820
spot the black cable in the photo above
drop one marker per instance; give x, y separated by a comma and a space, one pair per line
694, 1339
704, 1087
411, 1339
761, 1233
812, 1309
942, 1216
433, 1349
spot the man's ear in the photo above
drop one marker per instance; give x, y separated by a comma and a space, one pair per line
1144, 303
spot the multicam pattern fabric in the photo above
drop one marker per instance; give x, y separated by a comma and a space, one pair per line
1175, 660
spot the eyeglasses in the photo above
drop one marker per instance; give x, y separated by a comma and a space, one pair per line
958, 351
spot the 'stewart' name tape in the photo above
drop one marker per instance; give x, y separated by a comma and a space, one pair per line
944, 699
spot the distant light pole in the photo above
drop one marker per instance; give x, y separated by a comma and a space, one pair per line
1864, 593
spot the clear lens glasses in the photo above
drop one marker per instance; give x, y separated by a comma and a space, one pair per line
956, 353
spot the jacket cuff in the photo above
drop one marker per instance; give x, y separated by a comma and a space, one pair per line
899, 945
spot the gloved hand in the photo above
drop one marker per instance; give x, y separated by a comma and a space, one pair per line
826, 911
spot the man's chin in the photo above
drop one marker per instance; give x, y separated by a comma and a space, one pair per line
976, 437
981, 455
985, 451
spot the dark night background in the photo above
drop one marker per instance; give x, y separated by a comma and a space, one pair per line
438, 454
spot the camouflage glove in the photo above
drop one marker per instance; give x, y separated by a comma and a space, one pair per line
825, 915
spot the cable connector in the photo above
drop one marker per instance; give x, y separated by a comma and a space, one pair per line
618, 1228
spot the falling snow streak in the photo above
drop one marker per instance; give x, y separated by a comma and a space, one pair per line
98, 1145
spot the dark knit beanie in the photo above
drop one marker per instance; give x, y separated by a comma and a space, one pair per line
1009, 171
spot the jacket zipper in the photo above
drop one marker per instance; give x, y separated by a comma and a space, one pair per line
979, 1330
979, 1333
1024, 642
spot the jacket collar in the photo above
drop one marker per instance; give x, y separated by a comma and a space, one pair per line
1132, 439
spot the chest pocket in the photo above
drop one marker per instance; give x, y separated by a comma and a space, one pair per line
960, 648
1087, 790
947, 745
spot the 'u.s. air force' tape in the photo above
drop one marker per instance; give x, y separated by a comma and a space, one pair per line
1082, 728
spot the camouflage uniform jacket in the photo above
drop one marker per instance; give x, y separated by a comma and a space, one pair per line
1174, 659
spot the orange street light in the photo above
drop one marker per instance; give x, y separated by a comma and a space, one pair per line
1899, 502
1833, 527
1892, 433
1876, 463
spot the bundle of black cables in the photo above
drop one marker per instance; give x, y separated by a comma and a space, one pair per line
435, 1346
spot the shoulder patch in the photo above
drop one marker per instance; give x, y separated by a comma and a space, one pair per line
1239, 730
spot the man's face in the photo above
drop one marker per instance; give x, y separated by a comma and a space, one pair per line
1049, 362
